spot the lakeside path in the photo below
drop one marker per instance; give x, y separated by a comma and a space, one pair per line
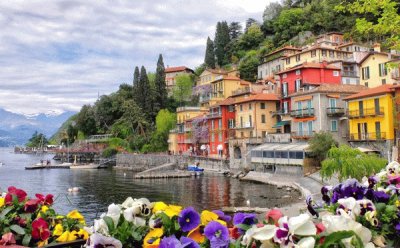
307, 185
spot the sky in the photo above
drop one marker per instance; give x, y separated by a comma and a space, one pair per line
57, 55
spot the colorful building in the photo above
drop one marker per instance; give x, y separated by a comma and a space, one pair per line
321, 109
203, 85
172, 72
224, 86
221, 124
371, 115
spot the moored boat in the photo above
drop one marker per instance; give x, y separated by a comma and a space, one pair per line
195, 169
84, 166
36, 166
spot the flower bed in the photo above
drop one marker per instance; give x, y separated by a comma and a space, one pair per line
351, 214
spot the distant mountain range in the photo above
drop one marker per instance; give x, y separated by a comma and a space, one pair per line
17, 129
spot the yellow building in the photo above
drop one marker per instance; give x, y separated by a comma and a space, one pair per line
375, 69
254, 115
224, 86
203, 85
370, 114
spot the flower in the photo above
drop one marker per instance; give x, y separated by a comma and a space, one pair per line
152, 238
264, 233
40, 229
393, 168
13, 191
74, 214
197, 235
170, 242
299, 225
222, 216
45, 200
207, 216
346, 207
7, 239
100, 226
363, 206
98, 240
188, 219
325, 194
244, 219
2, 202
66, 237
352, 188
273, 215
114, 212
217, 233
189, 243
380, 196
311, 205
31, 205
58, 230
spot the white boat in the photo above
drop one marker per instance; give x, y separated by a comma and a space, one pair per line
84, 166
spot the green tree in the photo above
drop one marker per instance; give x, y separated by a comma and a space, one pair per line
249, 23
182, 90
235, 30
320, 144
160, 101
165, 121
85, 120
136, 76
386, 21
38, 140
248, 66
209, 59
252, 38
289, 23
145, 99
346, 162
221, 40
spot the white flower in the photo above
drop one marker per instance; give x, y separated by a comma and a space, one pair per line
100, 226
262, 234
130, 213
98, 240
300, 225
346, 207
307, 242
127, 203
114, 212
335, 223
363, 206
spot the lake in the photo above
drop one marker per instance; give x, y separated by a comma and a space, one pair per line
99, 188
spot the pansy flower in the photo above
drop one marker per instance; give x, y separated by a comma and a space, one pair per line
152, 238
222, 216
244, 219
296, 226
40, 229
217, 233
273, 216
363, 206
13, 191
45, 200
380, 196
188, 219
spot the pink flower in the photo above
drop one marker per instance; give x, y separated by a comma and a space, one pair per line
13, 191
40, 229
273, 215
31, 205
7, 239
45, 200
320, 228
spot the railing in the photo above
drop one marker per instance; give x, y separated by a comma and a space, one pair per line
335, 111
302, 134
349, 74
214, 115
366, 112
204, 98
395, 73
241, 91
300, 113
367, 136
244, 126
280, 112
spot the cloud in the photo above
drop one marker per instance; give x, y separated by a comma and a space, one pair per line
59, 55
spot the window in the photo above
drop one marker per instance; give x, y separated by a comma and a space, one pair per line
287, 61
339, 55
365, 73
382, 70
241, 134
313, 53
219, 136
251, 134
284, 75
278, 68
285, 89
383, 81
260, 75
249, 106
336, 73
297, 72
241, 121
323, 51
250, 121
231, 123
262, 118
332, 103
241, 107
310, 127
212, 137
366, 84
219, 124
231, 108
334, 126
263, 134
212, 125
331, 54
285, 107
262, 105
298, 84
298, 58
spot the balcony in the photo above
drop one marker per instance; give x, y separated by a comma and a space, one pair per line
349, 74
214, 115
245, 125
301, 113
280, 112
302, 135
367, 136
367, 112
395, 74
241, 91
334, 111
204, 98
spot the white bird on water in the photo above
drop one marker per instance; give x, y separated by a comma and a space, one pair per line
248, 203
74, 189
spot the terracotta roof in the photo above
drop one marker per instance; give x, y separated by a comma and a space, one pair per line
310, 65
283, 48
177, 68
227, 101
315, 47
380, 90
394, 56
259, 97
217, 71
332, 88
346, 44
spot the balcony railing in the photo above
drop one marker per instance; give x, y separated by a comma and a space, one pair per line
239, 91
300, 113
214, 115
395, 73
367, 136
366, 112
349, 74
302, 134
280, 112
246, 125
204, 98
335, 111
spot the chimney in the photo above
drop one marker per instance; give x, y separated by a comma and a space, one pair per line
377, 47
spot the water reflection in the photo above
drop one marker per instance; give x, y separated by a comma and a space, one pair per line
99, 188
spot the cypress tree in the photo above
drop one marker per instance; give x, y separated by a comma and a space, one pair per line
209, 58
220, 41
160, 98
144, 97
136, 76
235, 30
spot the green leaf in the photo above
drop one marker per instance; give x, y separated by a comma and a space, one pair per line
26, 240
5, 212
110, 223
243, 227
336, 237
17, 229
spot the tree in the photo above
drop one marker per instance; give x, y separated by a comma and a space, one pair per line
165, 121
182, 90
160, 99
136, 76
289, 23
249, 23
252, 38
386, 21
320, 144
145, 99
235, 30
271, 11
209, 59
248, 66
85, 120
221, 40
37, 140
346, 162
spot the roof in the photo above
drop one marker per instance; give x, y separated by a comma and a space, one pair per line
380, 90
226, 102
177, 68
216, 71
315, 47
283, 48
259, 97
394, 56
332, 88
310, 65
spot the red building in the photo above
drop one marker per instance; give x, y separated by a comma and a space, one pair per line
221, 123
304, 77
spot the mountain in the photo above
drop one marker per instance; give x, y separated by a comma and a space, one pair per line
17, 129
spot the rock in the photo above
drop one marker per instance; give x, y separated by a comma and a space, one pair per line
286, 196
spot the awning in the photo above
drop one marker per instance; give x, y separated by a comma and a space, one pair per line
367, 150
281, 124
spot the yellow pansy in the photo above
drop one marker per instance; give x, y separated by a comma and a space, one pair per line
42, 243
58, 230
44, 209
74, 214
81, 234
159, 206
207, 216
173, 210
152, 239
196, 235
66, 236
1, 202
397, 203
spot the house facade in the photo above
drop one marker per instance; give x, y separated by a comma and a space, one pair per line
224, 86
172, 72
203, 85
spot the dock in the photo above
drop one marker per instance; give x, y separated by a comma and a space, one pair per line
36, 167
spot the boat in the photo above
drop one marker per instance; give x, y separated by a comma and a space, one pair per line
36, 166
197, 171
84, 166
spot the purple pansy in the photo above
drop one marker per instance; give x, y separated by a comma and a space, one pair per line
170, 242
380, 196
372, 180
188, 219
310, 206
397, 228
325, 194
218, 234
352, 188
282, 235
244, 219
222, 216
188, 243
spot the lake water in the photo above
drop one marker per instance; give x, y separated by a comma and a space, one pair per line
99, 188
